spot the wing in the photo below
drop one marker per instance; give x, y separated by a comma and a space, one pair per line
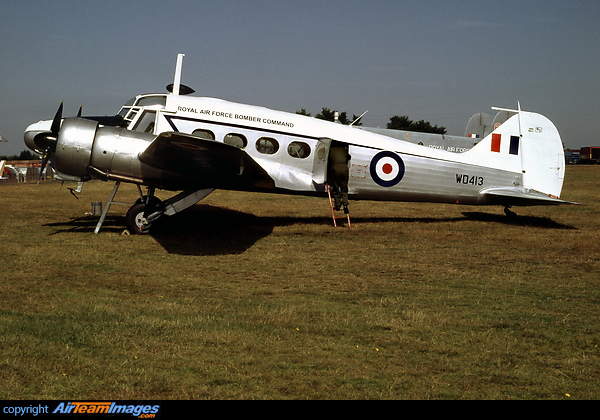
520, 197
192, 160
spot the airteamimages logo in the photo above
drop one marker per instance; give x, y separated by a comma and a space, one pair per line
387, 168
142, 411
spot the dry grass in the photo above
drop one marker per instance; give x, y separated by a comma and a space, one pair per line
250, 296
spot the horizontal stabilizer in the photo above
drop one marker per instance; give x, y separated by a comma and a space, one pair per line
520, 197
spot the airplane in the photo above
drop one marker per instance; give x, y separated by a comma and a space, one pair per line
194, 145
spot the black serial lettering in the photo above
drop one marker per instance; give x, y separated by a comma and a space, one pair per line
469, 179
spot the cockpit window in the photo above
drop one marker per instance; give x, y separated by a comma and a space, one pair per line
132, 107
126, 108
129, 102
145, 123
152, 100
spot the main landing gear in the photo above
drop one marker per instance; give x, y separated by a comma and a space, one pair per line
140, 217
148, 209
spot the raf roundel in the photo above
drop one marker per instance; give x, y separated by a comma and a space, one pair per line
387, 169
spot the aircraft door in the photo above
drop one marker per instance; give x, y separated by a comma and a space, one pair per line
320, 161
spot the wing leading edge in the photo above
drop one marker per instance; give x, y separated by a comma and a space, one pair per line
204, 163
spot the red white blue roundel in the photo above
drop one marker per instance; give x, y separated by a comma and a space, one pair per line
387, 169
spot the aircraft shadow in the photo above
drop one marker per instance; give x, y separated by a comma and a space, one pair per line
86, 224
211, 230
525, 221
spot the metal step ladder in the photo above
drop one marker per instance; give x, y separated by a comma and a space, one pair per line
333, 216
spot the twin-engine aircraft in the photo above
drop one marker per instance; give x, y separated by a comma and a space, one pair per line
195, 145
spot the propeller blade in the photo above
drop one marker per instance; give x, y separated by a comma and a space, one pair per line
56, 121
45, 158
46, 141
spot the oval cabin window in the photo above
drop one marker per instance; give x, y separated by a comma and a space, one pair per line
298, 149
267, 146
204, 134
236, 140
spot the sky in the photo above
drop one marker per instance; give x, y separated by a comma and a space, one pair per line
441, 61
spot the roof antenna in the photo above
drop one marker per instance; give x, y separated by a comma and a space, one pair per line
177, 79
358, 119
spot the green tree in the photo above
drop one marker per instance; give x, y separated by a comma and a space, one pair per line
328, 114
399, 123
303, 112
24, 155
421, 126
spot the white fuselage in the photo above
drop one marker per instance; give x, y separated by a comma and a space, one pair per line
427, 175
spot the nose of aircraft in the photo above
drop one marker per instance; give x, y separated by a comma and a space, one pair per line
41, 137
32, 131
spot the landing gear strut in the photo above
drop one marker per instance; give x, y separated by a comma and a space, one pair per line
148, 209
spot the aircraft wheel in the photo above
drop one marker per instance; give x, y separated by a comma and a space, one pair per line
136, 222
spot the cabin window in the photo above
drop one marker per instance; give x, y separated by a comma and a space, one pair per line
267, 145
236, 140
203, 134
145, 124
298, 149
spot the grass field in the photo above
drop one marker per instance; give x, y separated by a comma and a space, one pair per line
249, 296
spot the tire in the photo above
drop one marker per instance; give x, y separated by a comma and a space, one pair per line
134, 220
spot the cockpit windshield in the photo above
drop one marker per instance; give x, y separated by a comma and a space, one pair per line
132, 107
126, 108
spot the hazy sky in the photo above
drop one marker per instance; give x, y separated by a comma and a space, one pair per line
441, 61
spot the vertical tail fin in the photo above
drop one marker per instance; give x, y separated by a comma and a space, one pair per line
527, 143
543, 155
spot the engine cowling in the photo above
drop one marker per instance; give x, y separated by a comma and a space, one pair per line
74, 146
85, 149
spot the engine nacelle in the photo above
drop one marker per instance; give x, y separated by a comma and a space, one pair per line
74, 146
85, 149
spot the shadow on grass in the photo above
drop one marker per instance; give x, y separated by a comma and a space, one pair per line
87, 224
525, 221
211, 230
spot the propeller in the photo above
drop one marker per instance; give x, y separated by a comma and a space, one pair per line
109, 121
47, 141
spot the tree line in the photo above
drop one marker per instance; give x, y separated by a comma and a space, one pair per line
397, 122
24, 155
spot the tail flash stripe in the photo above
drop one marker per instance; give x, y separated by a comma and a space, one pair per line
514, 145
496, 142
